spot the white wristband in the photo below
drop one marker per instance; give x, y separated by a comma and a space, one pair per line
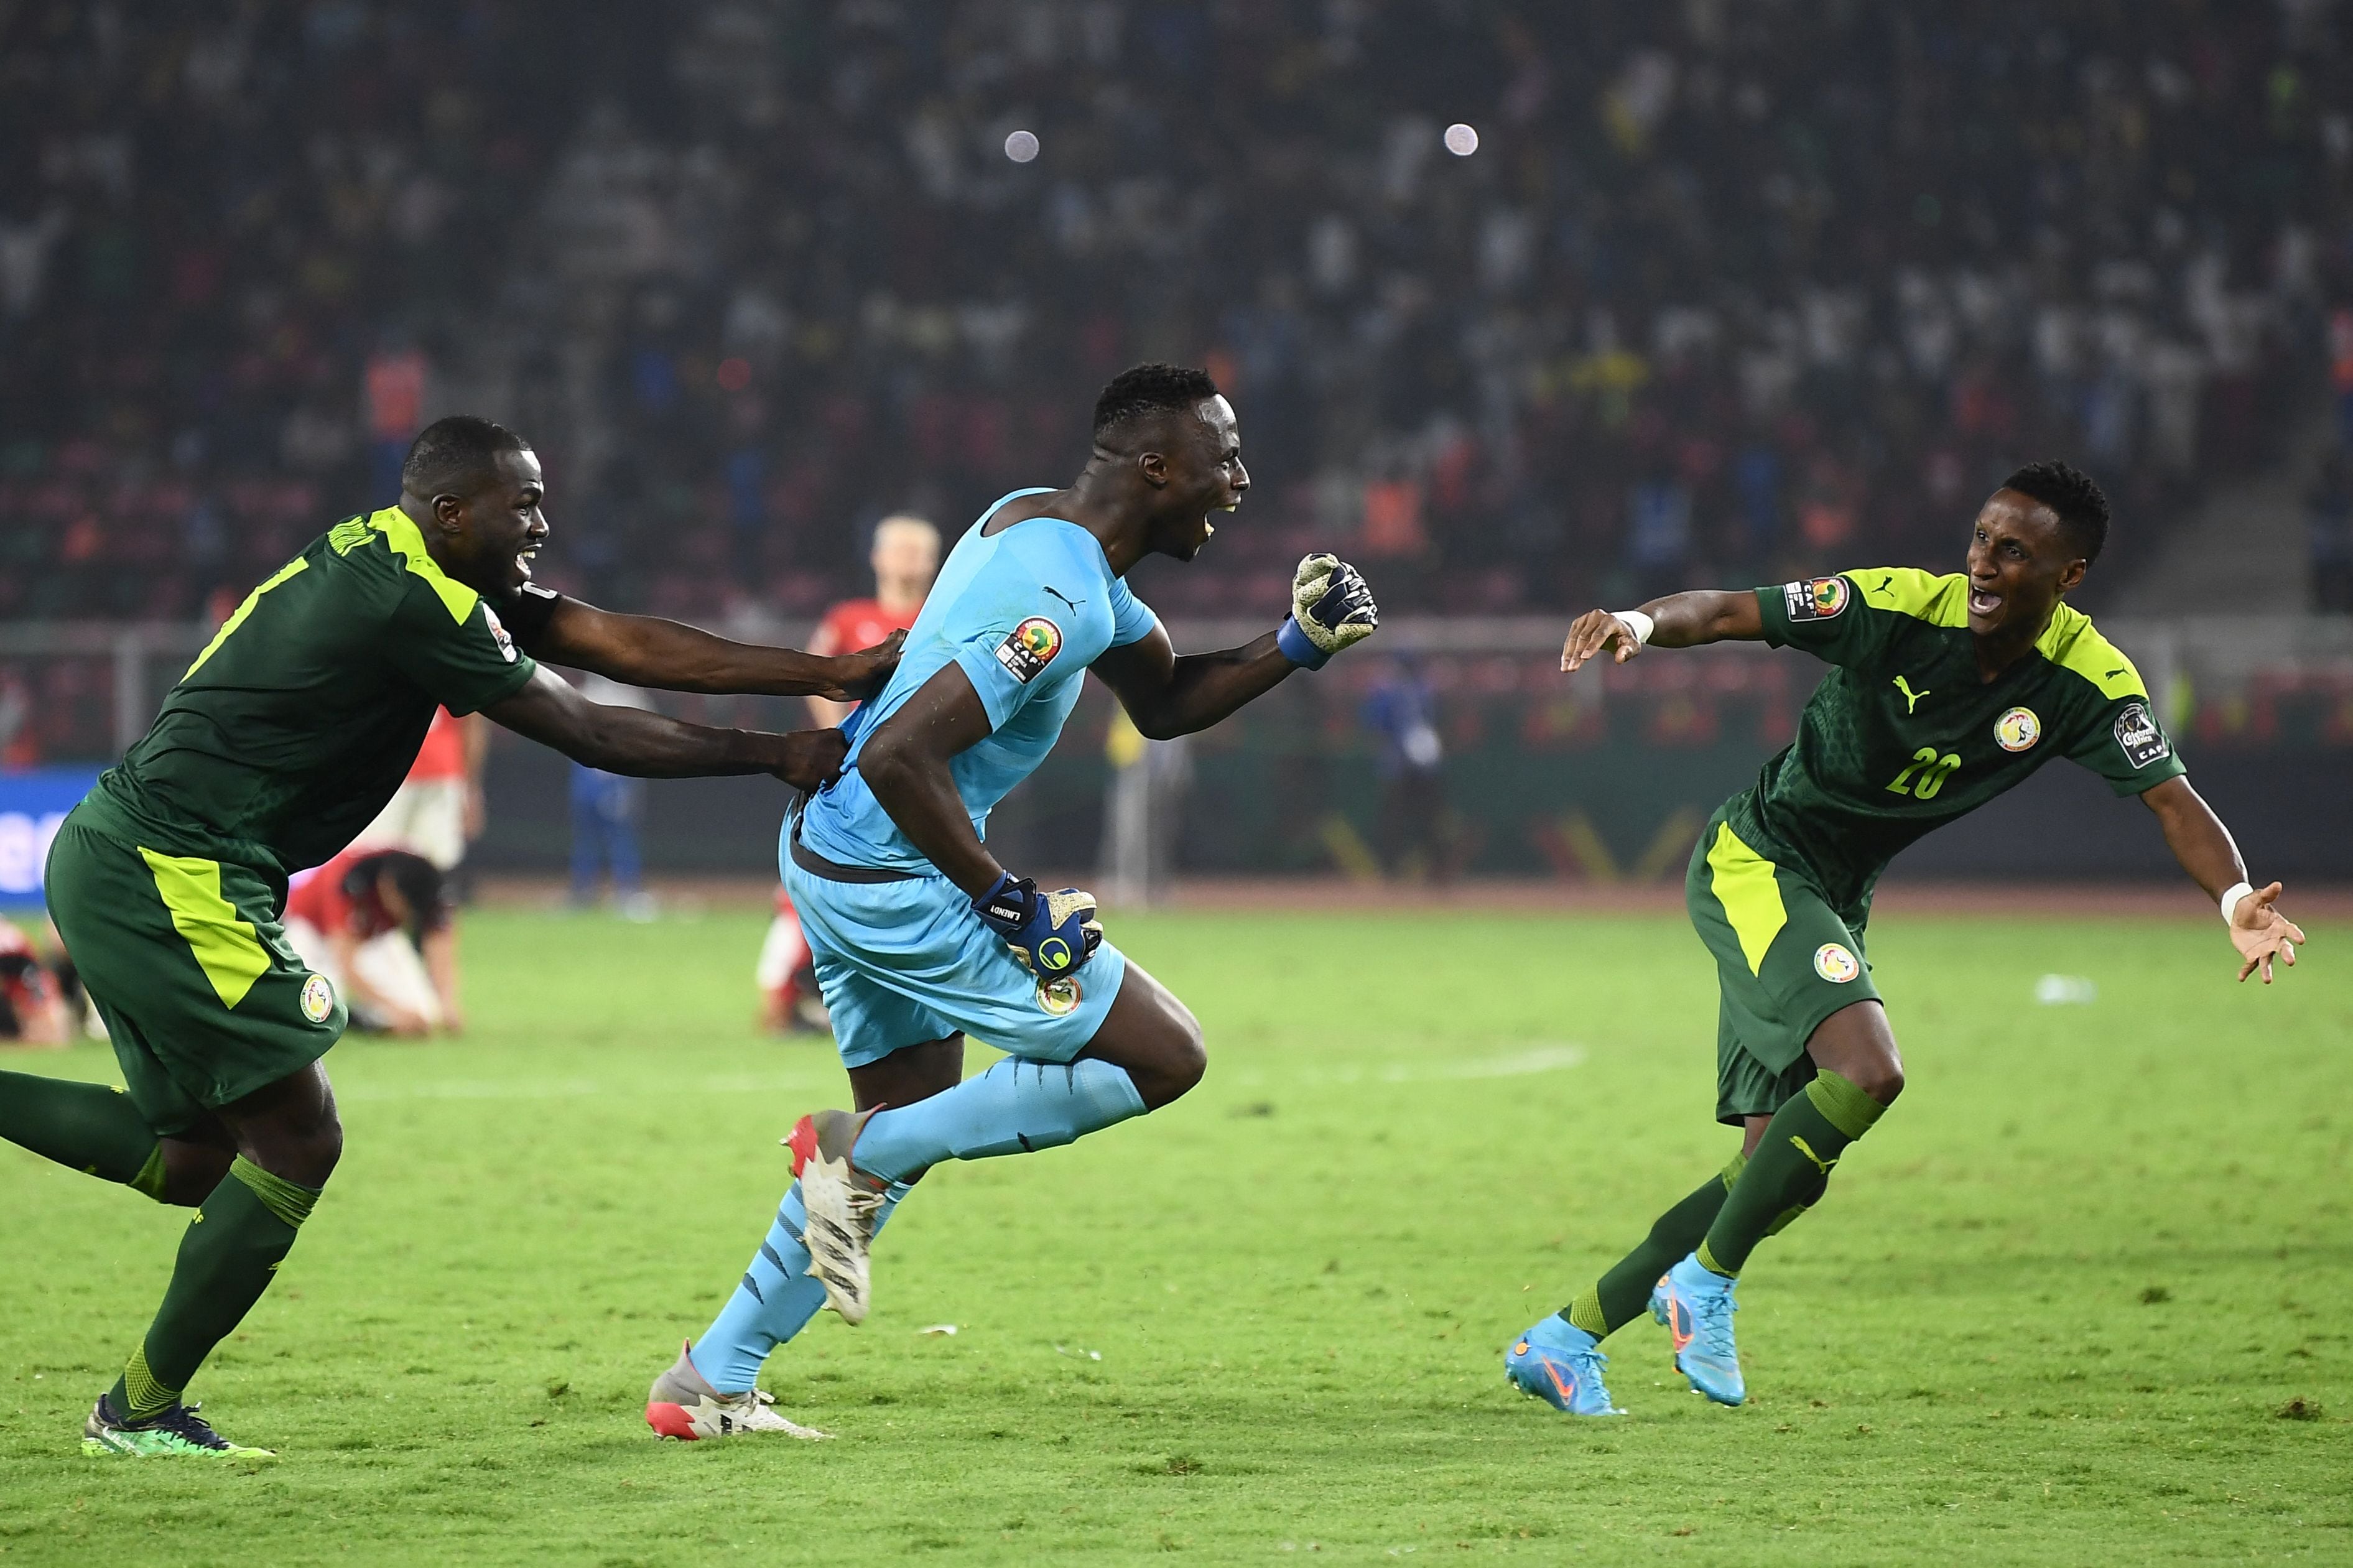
2231, 899
1635, 621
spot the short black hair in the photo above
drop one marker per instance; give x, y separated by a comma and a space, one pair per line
2074, 498
422, 887
1147, 389
456, 454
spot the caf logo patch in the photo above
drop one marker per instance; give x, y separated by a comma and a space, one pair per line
2017, 730
2142, 741
318, 998
1029, 647
499, 632
1834, 963
1815, 599
1059, 997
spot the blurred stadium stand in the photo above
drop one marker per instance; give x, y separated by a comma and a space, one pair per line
1727, 292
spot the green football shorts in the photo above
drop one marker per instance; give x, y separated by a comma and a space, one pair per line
189, 967
1784, 962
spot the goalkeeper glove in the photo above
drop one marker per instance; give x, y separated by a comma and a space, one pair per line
1331, 607
1051, 933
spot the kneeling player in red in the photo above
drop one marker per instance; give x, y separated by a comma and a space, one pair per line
1946, 691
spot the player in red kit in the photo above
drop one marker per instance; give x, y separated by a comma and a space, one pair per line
905, 559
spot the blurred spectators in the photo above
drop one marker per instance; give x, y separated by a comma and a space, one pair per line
1724, 288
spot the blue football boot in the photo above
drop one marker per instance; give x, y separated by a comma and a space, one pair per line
1560, 1364
1696, 1304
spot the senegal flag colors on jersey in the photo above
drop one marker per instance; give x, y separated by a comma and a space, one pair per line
1905, 735
301, 717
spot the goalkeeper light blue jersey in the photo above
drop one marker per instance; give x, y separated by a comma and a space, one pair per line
1024, 613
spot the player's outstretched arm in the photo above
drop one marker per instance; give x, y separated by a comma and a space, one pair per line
2206, 851
1332, 608
647, 745
645, 650
1678, 620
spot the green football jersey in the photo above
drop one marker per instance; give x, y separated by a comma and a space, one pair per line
1905, 735
299, 719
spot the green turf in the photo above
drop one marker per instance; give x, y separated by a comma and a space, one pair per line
2051, 1311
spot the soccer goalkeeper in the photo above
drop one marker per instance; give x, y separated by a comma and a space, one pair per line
920, 936
1946, 691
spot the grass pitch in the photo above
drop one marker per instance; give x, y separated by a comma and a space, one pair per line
2082, 1296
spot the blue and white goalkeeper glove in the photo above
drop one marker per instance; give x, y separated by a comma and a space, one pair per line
1051, 933
1331, 607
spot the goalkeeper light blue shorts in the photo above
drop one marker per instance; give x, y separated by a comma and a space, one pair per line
905, 961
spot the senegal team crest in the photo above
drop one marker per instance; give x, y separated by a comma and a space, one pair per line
318, 998
1814, 599
1059, 997
1029, 647
1834, 963
2017, 730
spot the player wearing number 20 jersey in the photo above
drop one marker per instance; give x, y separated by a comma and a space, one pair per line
1946, 692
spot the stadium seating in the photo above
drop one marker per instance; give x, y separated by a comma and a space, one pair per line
1723, 288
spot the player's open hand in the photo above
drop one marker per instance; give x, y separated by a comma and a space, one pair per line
1591, 633
858, 676
2261, 933
812, 758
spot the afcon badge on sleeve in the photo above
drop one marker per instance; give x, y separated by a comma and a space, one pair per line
499, 632
1814, 599
2142, 741
1834, 963
318, 998
2017, 730
1029, 647
1061, 997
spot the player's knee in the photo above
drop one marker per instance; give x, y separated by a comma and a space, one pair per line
306, 1154
1190, 1057
1882, 1078
1178, 1059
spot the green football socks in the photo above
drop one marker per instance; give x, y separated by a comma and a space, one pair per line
1790, 1169
1623, 1294
92, 1127
232, 1247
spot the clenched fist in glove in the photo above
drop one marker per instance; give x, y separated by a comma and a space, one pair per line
1331, 607
1051, 933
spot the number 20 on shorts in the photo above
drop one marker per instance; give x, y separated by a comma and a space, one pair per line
1932, 771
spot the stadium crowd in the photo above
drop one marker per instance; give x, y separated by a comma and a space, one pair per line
1722, 287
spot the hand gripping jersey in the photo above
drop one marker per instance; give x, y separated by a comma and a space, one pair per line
1023, 612
1904, 735
301, 717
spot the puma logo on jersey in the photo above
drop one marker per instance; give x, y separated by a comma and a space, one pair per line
1074, 604
1911, 698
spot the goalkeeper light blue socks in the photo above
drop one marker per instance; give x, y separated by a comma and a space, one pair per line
775, 1301
1016, 1106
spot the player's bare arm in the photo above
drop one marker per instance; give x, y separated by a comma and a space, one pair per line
1679, 620
645, 745
905, 763
1168, 696
2206, 851
645, 650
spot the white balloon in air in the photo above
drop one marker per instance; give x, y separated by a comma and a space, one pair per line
1021, 146
1461, 140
